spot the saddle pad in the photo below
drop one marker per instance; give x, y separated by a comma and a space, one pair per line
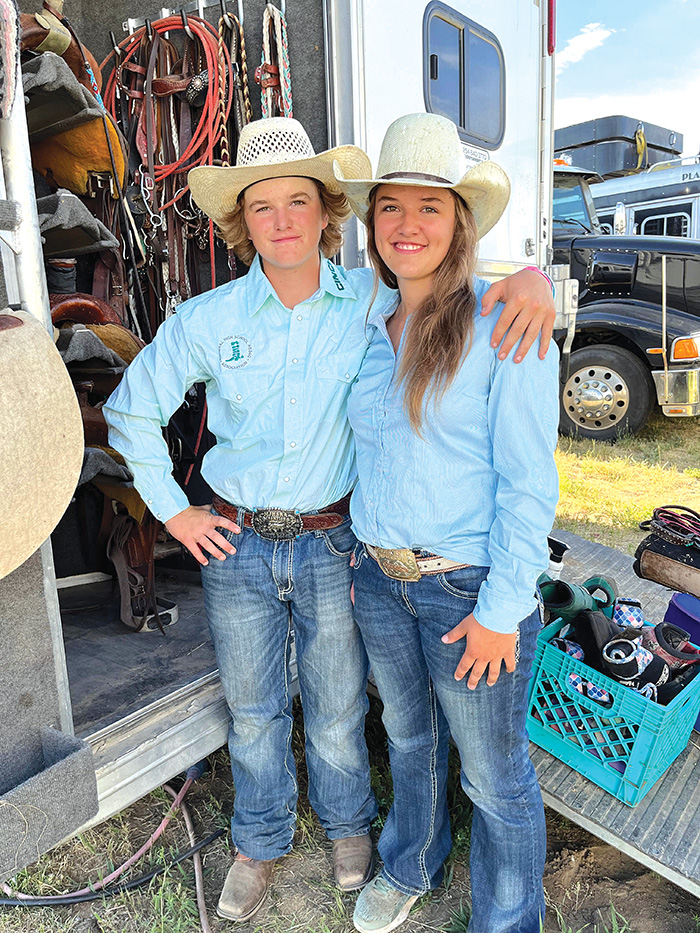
41, 438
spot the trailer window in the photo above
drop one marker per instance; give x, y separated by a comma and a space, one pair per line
464, 75
666, 225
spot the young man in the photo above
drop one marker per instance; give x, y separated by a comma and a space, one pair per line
278, 351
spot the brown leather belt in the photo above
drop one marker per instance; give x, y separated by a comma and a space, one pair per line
285, 524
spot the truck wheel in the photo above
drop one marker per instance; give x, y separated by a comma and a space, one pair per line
609, 392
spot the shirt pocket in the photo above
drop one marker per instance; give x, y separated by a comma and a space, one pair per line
248, 403
339, 367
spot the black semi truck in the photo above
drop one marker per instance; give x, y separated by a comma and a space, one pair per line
637, 339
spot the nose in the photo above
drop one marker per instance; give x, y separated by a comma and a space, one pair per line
282, 219
409, 223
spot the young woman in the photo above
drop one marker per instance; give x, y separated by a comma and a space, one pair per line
456, 494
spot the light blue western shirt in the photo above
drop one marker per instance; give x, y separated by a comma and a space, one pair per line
480, 486
277, 382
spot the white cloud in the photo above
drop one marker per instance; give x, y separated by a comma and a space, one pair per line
673, 105
591, 37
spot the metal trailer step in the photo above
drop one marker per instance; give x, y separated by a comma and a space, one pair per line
663, 830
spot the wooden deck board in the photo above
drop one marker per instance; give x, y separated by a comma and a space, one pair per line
663, 830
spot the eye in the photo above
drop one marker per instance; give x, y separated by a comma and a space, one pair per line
259, 210
388, 207
300, 201
429, 209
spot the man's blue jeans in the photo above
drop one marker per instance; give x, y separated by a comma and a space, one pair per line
402, 624
255, 600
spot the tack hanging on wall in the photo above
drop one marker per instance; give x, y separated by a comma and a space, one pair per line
273, 74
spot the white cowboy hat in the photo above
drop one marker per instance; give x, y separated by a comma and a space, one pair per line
272, 148
424, 150
41, 437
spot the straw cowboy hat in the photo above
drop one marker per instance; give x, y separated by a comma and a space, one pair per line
41, 438
272, 148
424, 150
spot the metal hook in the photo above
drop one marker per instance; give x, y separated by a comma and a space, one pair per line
240, 12
149, 29
185, 23
200, 9
228, 22
113, 39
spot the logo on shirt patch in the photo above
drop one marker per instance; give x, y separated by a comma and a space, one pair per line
334, 275
234, 352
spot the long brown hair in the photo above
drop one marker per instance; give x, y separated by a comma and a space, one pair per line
235, 230
439, 333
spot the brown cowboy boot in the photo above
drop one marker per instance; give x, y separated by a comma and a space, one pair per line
353, 862
245, 888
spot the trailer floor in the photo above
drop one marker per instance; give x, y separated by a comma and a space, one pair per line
113, 671
663, 830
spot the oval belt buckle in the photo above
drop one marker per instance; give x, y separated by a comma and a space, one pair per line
277, 524
398, 563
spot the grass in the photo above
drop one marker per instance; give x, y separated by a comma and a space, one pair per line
606, 489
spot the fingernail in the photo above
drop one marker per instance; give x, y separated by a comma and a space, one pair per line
444, 638
501, 355
205, 563
494, 344
518, 358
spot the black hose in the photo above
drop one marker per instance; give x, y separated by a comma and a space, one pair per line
70, 899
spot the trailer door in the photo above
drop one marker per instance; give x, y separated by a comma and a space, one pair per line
478, 62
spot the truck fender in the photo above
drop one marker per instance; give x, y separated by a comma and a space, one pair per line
637, 324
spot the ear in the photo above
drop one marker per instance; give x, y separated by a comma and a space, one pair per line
324, 221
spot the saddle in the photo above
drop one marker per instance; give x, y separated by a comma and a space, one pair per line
670, 554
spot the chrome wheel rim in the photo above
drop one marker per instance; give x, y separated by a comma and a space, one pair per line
596, 398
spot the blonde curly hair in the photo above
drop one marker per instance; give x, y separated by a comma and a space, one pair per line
335, 205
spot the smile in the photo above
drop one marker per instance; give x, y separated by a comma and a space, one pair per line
408, 247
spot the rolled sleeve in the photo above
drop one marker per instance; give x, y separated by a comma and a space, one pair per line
523, 415
152, 389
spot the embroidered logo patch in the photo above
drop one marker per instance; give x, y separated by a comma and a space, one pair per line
234, 352
334, 275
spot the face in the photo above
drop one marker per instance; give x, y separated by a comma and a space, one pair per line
285, 218
413, 229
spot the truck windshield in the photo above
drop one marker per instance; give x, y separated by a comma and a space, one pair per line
570, 209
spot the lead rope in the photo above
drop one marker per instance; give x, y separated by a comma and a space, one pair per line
275, 61
240, 106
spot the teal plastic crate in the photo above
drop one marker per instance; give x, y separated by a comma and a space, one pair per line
624, 747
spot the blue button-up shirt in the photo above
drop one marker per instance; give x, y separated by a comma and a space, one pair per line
277, 383
480, 487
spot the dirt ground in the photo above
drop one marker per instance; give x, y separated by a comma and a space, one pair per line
584, 877
590, 887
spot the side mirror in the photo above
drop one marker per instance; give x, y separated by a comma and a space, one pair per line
620, 222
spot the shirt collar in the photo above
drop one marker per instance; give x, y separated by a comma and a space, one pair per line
258, 286
385, 303
333, 281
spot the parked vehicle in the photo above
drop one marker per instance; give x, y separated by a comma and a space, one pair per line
661, 201
638, 165
637, 340
149, 706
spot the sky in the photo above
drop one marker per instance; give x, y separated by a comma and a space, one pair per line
638, 58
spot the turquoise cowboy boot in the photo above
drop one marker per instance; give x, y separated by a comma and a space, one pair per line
565, 600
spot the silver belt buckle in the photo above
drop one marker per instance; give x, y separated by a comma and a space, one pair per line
277, 524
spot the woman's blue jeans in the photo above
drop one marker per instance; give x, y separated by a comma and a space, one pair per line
255, 600
402, 624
